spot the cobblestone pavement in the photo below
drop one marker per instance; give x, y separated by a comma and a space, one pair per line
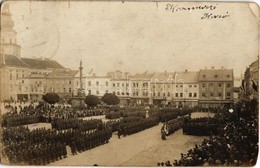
141, 149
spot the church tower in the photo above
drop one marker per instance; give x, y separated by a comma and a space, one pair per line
8, 41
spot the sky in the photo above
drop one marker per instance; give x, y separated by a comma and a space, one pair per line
137, 37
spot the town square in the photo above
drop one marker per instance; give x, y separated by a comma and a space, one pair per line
91, 89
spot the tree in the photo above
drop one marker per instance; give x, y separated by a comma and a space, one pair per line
92, 100
51, 98
110, 99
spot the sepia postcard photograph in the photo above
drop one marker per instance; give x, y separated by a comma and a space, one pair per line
129, 83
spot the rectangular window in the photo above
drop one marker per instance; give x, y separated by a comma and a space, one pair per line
123, 93
211, 94
228, 85
136, 93
159, 94
114, 85
169, 94
123, 84
118, 84
195, 86
176, 95
219, 94
177, 85
70, 90
11, 76
106, 91
118, 93
180, 85
163, 94
190, 94
203, 85
190, 86
181, 94
97, 83
219, 85
106, 83
203, 94
228, 94
194, 94
97, 92
89, 83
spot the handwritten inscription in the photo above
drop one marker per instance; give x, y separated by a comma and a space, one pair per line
207, 15
213, 16
175, 8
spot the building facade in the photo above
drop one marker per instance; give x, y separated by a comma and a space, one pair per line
216, 87
26, 78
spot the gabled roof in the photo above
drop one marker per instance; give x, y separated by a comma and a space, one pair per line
216, 75
11, 60
42, 63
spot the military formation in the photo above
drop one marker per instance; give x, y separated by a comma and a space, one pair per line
201, 126
75, 123
134, 126
42, 146
171, 126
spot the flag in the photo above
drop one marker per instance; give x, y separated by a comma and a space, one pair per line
242, 87
91, 71
254, 85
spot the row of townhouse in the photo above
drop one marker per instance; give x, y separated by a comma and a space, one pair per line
207, 87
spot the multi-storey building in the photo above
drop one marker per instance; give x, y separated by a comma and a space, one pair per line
27, 78
140, 89
216, 87
121, 85
162, 84
254, 77
98, 85
186, 89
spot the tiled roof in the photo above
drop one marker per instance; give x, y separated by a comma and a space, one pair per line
42, 63
216, 75
62, 73
163, 76
187, 77
144, 75
11, 60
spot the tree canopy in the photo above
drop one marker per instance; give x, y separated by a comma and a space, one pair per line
51, 98
110, 99
92, 100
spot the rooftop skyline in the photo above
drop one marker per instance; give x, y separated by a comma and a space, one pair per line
135, 38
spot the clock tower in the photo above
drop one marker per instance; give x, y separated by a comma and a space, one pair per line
9, 44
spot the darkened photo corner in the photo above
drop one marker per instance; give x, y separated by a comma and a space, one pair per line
111, 83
